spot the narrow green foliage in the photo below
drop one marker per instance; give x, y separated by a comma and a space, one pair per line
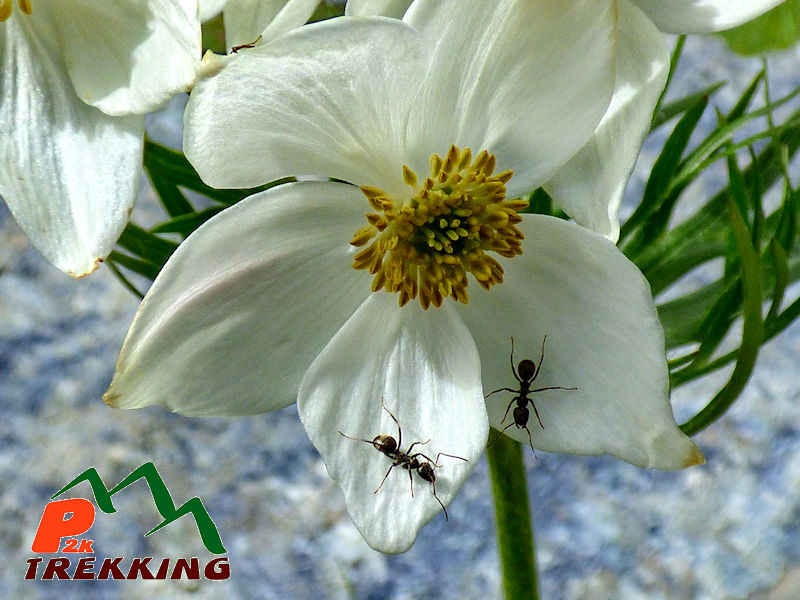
753, 328
673, 64
743, 103
171, 198
680, 106
122, 279
148, 246
186, 224
664, 169
137, 265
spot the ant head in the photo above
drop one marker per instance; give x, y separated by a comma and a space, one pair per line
425, 471
384, 443
526, 369
521, 414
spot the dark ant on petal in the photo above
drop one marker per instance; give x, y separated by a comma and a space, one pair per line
526, 373
252, 44
391, 448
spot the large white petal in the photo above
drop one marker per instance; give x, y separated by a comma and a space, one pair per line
603, 337
211, 8
527, 80
327, 99
68, 172
245, 304
590, 186
425, 366
372, 8
245, 20
703, 16
126, 56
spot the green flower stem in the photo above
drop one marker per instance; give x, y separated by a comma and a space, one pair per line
512, 517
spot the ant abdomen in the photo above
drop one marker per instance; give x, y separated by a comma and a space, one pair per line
521, 414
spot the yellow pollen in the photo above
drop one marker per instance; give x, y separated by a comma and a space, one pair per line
6, 7
426, 244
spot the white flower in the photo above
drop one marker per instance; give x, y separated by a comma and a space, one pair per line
275, 294
71, 71
590, 186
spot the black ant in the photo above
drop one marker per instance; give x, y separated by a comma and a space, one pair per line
528, 371
252, 44
386, 444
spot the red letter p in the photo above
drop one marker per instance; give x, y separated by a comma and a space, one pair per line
54, 526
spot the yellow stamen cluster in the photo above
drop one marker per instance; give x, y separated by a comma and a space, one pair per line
427, 244
7, 5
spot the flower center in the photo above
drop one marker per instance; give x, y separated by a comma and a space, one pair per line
7, 5
427, 244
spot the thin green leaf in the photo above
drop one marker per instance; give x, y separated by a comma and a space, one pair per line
171, 198
186, 224
673, 64
665, 167
677, 107
148, 246
780, 263
741, 105
753, 328
137, 265
122, 279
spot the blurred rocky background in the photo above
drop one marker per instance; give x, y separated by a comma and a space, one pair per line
604, 529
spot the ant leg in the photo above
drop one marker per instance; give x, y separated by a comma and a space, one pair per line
507, 426
384, 479
439, 501
353, 438
411, 482
399, 431
412, 445
530, 439
508, 408
537, 415
501, 390
450, 455
541, 359
554, 387
513, 370
425, 456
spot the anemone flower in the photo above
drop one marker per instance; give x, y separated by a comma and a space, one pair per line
402, 291
591, 185
75, 78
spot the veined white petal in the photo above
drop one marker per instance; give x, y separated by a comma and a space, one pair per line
245, 20
211, 8
126, 56
377, 8
425, 367
326, 99
245, 304
527, 80
603, 337
69, 173
590, 186
703, 16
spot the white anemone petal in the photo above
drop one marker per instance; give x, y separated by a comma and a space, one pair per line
603, 337
69, 173
703, 16
328, 99
527, 80
211, 8
372, 8
425, 367
590, 186
126, 57
245, 304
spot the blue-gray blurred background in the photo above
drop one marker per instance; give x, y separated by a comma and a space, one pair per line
604, 529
